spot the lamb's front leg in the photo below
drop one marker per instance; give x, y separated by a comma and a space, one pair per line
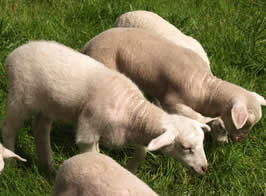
138, 156
87, 138
41, 126
182, 109
88, 147
218, 130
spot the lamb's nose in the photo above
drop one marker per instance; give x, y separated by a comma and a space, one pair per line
204, 168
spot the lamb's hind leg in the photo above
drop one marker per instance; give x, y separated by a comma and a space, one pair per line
138, 156
41, 126
11, 123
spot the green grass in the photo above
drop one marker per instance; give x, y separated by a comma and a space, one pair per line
233, 34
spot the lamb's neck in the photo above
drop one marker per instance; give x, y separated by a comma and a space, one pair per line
219, 95
145, 123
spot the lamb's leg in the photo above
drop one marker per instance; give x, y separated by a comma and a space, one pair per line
218, 130
87, 138
183, 110
41, 126
88, 147
9, 132
189, 112
11, 123
138, 156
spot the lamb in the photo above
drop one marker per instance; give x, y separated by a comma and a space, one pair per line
58, 83
177, 77
153, 22
95, 174
7, 154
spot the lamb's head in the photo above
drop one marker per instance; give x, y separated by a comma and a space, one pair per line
183, 140
243, 115
6, 154
218, 132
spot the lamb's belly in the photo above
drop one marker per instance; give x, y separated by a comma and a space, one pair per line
113, 136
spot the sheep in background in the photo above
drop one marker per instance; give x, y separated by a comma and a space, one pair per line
150, 21
58, 83
7, 154
95, 174
177, 77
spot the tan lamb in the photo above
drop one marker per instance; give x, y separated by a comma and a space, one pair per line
153, 22
150, 21
177, 77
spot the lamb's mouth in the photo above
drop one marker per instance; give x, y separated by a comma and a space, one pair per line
240, 137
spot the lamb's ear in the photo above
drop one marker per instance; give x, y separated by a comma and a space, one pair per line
239, 114
205, 127
9, 154
163, 140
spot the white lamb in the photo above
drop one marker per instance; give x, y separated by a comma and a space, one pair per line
56, 82
7, 154
177, 77
95, 174
155, 23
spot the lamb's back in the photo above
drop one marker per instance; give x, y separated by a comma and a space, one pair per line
155, 23
52, 74
98, 174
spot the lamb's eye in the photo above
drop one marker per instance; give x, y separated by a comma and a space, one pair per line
186, 148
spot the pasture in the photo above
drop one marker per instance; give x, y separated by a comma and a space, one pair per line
233, 33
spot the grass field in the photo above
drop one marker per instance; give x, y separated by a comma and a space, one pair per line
233, 33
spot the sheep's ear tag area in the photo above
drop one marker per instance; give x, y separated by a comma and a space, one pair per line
239, 115
9, 154
163, 140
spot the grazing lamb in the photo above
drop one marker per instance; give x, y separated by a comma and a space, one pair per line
58, 83
177, 77
95, 174
7, 154
153, 22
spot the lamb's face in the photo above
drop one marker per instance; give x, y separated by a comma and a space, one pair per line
243, 116
183, 140
219, 132
188, 146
